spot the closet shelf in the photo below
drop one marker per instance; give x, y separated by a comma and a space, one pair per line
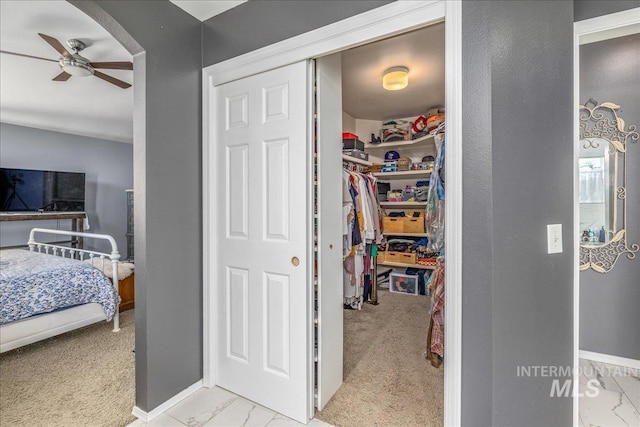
387, 145
402, 205
402, 264
406, 234
356, 161
383, 176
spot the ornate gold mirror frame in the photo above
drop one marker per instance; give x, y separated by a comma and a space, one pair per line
602, 122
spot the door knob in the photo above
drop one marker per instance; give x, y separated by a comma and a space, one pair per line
295, 261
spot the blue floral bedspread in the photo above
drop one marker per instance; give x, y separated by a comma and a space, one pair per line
34, 283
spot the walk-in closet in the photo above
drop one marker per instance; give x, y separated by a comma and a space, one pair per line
379, 180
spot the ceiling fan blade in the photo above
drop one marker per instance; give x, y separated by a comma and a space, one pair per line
118, 65
56, 45
62, 77
27, 56
112, 80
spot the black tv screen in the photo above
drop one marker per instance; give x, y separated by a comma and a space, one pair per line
25, 190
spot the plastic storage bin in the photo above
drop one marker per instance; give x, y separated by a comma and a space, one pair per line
403, 284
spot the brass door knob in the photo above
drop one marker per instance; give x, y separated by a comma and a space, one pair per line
295, 261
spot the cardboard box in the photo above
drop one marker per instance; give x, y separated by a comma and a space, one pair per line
352, 144
357, 154
403, 284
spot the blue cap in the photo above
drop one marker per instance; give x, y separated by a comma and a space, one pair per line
391, 155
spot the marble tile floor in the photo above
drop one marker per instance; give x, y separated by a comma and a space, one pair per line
610, 395
210, 407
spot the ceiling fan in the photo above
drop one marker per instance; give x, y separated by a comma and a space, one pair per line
72, 64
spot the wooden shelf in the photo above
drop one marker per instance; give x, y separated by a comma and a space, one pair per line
383, 176
406, 234
402, 264
402, 205
77, 221
387, 145
31, 216
356, 161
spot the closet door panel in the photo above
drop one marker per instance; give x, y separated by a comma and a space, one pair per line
330, 292
263, 313
238, 191
275, 180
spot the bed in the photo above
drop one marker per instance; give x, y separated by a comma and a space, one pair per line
49, 289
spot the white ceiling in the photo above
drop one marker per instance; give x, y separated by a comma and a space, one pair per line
205, 9
85, 106
92, 107
422, 51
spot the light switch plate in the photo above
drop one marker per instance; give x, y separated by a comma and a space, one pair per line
554, 238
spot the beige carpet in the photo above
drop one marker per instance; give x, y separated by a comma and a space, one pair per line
82, 378
387, 380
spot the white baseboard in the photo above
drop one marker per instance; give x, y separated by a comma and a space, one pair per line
148, 416
611, 359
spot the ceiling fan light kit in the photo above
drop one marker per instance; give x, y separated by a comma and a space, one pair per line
395, 78
78, 66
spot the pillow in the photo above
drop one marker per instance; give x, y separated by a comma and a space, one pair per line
125, 269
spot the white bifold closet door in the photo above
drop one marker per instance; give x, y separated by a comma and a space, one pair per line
264, 333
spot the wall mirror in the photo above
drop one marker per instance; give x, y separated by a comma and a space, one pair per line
604, 138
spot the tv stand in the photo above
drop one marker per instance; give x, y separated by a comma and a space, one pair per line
77, 221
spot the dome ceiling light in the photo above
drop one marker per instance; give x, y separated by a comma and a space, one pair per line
395, 78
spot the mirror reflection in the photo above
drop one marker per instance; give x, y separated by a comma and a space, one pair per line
597, 171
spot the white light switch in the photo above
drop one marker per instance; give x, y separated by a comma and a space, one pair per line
554, 238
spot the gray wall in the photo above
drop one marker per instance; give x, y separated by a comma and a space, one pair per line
108, 167
609, 314
517, 299
226, 35
477, 217
586, 9
167, 181
517, 74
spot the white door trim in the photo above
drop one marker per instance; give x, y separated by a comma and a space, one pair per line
390, 19
587, 31
453, 216
382, 22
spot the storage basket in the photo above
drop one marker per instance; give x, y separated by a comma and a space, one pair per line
401, 257
413, 225
392, 224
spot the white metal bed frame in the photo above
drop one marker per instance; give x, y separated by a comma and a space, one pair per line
26, 331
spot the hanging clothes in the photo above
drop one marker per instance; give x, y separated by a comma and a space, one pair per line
434, 211
361, 230
435, 338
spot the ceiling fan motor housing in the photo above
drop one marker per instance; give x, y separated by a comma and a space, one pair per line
76, 45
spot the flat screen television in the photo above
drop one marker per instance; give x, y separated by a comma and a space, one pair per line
27, 190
